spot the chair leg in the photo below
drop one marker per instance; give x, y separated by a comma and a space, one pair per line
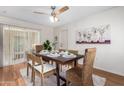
33, 77
67, 82
42, 80
61, 68
68, 65
31, 74
52, 62
71, 65
27, 70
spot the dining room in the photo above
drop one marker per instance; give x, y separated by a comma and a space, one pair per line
61, 46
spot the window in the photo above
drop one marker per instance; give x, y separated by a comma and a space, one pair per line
16, 42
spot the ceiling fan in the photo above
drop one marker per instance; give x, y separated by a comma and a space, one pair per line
54, 14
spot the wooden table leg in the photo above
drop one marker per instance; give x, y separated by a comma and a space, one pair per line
57, 74
75, 63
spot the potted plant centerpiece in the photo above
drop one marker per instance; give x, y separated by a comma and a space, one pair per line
47, 45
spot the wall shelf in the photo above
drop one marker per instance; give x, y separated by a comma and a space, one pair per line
98, 42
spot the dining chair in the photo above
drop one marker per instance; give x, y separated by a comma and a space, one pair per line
83, 75
44, 70
62, 50
30, 64
70, 51
39, 48
75, 52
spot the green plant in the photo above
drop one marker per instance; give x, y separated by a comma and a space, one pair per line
47, 45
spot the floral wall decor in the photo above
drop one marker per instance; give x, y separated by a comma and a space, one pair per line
94, 35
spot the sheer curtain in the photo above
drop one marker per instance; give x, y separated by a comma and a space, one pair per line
16, 41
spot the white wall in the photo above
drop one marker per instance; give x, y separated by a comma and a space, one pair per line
47, 34
109, 57
45, 31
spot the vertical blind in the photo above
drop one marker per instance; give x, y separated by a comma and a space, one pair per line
16, 41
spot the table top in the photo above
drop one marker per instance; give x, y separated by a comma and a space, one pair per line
60, 59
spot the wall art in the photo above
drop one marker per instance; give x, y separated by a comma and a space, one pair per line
94, 35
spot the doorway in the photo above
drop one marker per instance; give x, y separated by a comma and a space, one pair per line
63, 39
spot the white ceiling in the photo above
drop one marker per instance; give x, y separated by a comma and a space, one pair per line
25, 13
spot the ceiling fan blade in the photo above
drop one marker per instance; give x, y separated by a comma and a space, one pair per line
43, 13
61, 10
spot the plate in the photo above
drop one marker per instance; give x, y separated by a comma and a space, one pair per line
44, 52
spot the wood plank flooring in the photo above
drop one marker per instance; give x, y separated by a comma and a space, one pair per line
10, 76
112, 79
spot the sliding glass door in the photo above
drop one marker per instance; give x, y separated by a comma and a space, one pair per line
16, 42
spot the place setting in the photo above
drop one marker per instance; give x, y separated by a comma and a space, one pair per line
57, 53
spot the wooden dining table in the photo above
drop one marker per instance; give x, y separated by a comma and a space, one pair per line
60, 60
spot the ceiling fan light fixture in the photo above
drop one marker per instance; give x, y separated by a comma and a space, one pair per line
53, 16
53, 19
